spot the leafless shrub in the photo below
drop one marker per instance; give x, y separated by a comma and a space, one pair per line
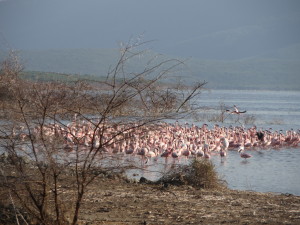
216, 114
276, 122
249, 119
222, 115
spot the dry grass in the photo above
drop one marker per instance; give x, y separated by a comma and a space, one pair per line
200, 173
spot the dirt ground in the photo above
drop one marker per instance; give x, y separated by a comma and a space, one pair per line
117, 201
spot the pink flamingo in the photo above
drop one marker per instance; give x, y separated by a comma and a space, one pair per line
175, 155
206, 155
143, 152
152, 154
223, 153
129, 151
225, 143
243, 154
199, 153
206, 150
166, 154
186, 153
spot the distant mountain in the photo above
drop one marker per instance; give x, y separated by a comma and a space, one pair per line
74, 61
276, 70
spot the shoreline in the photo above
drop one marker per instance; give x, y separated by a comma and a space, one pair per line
114, 200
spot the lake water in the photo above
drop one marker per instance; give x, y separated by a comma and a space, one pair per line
276, 109
268, 170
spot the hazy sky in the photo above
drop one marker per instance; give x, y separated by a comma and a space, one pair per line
214, 29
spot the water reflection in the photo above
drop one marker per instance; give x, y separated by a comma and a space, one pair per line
244, 162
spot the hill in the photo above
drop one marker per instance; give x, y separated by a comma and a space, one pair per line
277, 70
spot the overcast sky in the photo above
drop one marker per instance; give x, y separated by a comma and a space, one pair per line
213, 29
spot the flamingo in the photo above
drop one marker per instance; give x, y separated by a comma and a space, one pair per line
186, 153
143, 153
152, 153
243, 154
248, 144
199, 153
166, 154
223, 153
206, 150
225, 143
175, 155
206, 155
129, 151
236, 110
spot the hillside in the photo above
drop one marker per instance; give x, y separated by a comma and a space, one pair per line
272, 71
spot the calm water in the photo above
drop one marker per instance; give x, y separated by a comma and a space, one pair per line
268, 170
276, 109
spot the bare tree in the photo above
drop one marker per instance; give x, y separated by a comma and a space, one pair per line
55, 129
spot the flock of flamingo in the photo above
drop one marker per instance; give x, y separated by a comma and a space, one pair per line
170, 140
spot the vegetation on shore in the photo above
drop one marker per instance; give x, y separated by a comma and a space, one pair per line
57, 77
200, 173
